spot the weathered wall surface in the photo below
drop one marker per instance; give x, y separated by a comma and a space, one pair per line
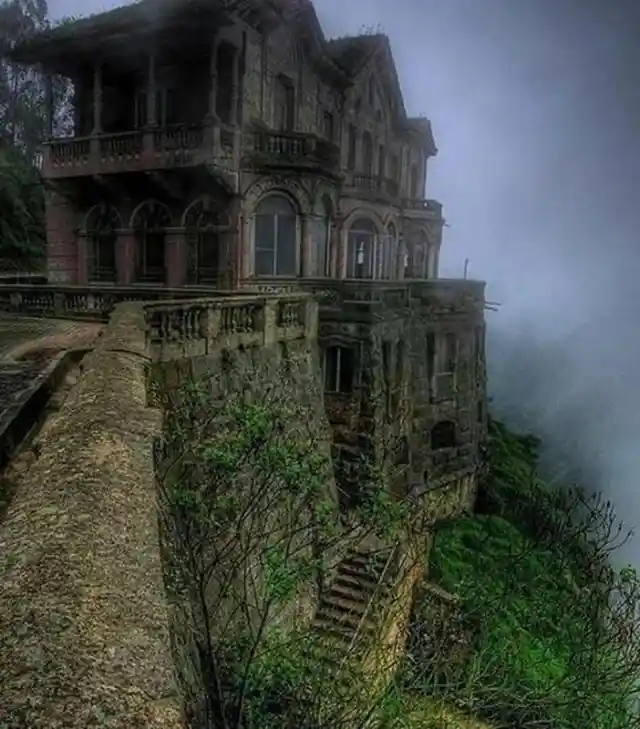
288, 375
84, 638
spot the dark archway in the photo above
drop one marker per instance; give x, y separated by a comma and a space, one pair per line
203, 223
150, 223
443, 435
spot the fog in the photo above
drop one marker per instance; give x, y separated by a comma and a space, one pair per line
535, 106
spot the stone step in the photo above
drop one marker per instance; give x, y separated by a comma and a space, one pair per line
325, 613
347, 605
351, 591
334, 631
356, 576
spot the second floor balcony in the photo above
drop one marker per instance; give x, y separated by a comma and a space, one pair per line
371, 187
141, 151
267, 149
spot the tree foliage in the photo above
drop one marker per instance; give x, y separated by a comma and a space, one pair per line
557, 641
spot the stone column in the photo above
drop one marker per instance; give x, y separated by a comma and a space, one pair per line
307, 226
175, 257
235, 87
97, 99
82, 275
152, 112
125, 257
213, 91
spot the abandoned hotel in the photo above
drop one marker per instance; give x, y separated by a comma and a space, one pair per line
235, 180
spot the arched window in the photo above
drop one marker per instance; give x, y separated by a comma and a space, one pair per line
203, 223
443, 435
321, 237
275, 237
367, 155
150, 225
361, 249
102, 224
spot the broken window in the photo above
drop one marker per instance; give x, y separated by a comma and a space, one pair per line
339, 369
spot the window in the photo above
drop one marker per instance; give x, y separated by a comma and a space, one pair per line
361, 245
478, 346
371, 91
102, 223
443, 435
275, 238
389, 252
202, 227
450, 352
339, 369
351, 147
150, 228
480, 412
367, 154
447, 363
285, 104
431, 355
328, 126
381, 161
395, 167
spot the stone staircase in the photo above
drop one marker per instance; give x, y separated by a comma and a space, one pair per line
347, 611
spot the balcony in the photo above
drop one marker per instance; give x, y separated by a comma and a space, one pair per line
266, 149
371, 186
423, 209
140, 151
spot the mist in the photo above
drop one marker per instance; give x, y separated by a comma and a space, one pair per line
535, 106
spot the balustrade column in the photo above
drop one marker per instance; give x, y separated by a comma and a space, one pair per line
97, 99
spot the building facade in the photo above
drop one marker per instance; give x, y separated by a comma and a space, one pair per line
226, 145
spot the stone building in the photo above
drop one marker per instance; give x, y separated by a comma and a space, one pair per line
227, 144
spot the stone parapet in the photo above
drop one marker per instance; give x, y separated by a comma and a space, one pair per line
84, 639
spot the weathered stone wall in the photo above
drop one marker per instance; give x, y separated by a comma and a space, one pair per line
84, 639
286, 374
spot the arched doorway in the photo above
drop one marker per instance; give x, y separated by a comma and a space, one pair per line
204, 223
361, 248
275, 237
150, 223
101, 226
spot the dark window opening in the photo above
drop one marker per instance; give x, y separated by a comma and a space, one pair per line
285, 104
351, 147
414, 182
102, 236
329, 131
361, 249
339, 369
450, 355
480, 411
224, 96
367, 154
443, 435
431, 355
150, 226
203, 244
381, 161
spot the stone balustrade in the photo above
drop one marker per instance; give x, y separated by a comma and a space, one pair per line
265, 148
196, 327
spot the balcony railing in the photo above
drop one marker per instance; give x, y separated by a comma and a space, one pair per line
168, 147
266, 148
372, 185
198, 326
433, 207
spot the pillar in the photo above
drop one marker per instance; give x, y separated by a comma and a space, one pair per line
175, 257
152, 112
235, 87
213, 72
125, 257
307, 227
97, 99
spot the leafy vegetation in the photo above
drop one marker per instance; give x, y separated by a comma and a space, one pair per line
556, 640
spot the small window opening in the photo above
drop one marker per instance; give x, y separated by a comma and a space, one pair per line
443, 435
339, 373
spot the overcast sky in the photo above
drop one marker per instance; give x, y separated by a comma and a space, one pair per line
535, 106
